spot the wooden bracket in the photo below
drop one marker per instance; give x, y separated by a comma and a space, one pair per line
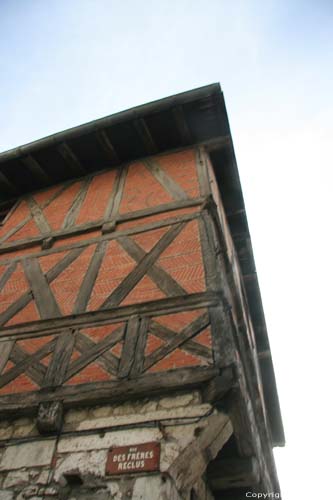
50, 417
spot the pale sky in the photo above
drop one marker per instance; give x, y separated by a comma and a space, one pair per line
66, 62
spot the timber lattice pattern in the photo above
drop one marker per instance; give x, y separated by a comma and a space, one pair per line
131, 235
101, 353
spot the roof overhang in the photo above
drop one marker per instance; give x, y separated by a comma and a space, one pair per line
193, 117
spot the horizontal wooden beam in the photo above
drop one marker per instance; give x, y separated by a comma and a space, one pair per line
96, 225
110, 315
105, 237
113, 391
230, 473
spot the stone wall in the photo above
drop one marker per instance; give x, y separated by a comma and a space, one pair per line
72, 465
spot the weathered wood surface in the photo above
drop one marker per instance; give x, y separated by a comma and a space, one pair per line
107, 145
73, 212
167, 182
25, 363
36, 169
232, 473
141, 269
42, 293
50, 417
5, 350
71, 159
38, 216
35, 370
61, 356
146, 385
139, 353
111, 315
94, 352
6, 248
128, 352
190, 346
165, 282
109, 362
199, 452
187, 333
90, 278
139, 318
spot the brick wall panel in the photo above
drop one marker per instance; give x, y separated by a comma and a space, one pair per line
117, 349
148, 239
20, 213
144, 291
27, 314
116, 265
22, 383
204, 338
31, 345
91, 373
14, 288
177, 359
29, 230
181, 167
156, 218
44, 196
46, 361
56, 212
47, 262
67, 285
152, 344
98, 333
178, 321
182, 259
76, 239
97, 197
142, 190
7, 256
2, 269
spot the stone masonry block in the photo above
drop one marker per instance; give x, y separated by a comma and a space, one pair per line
85, 463
31, 454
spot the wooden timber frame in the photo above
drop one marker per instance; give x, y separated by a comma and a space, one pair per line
231, 379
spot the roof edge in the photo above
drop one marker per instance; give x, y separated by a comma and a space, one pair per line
106, 121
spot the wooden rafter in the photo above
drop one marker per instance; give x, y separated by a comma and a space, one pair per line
105, 141
181, 123
71, 159
145, 135
8, 184
36, 169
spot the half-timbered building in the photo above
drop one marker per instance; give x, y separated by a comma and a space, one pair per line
134, 357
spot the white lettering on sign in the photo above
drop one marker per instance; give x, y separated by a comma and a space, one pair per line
135, 458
